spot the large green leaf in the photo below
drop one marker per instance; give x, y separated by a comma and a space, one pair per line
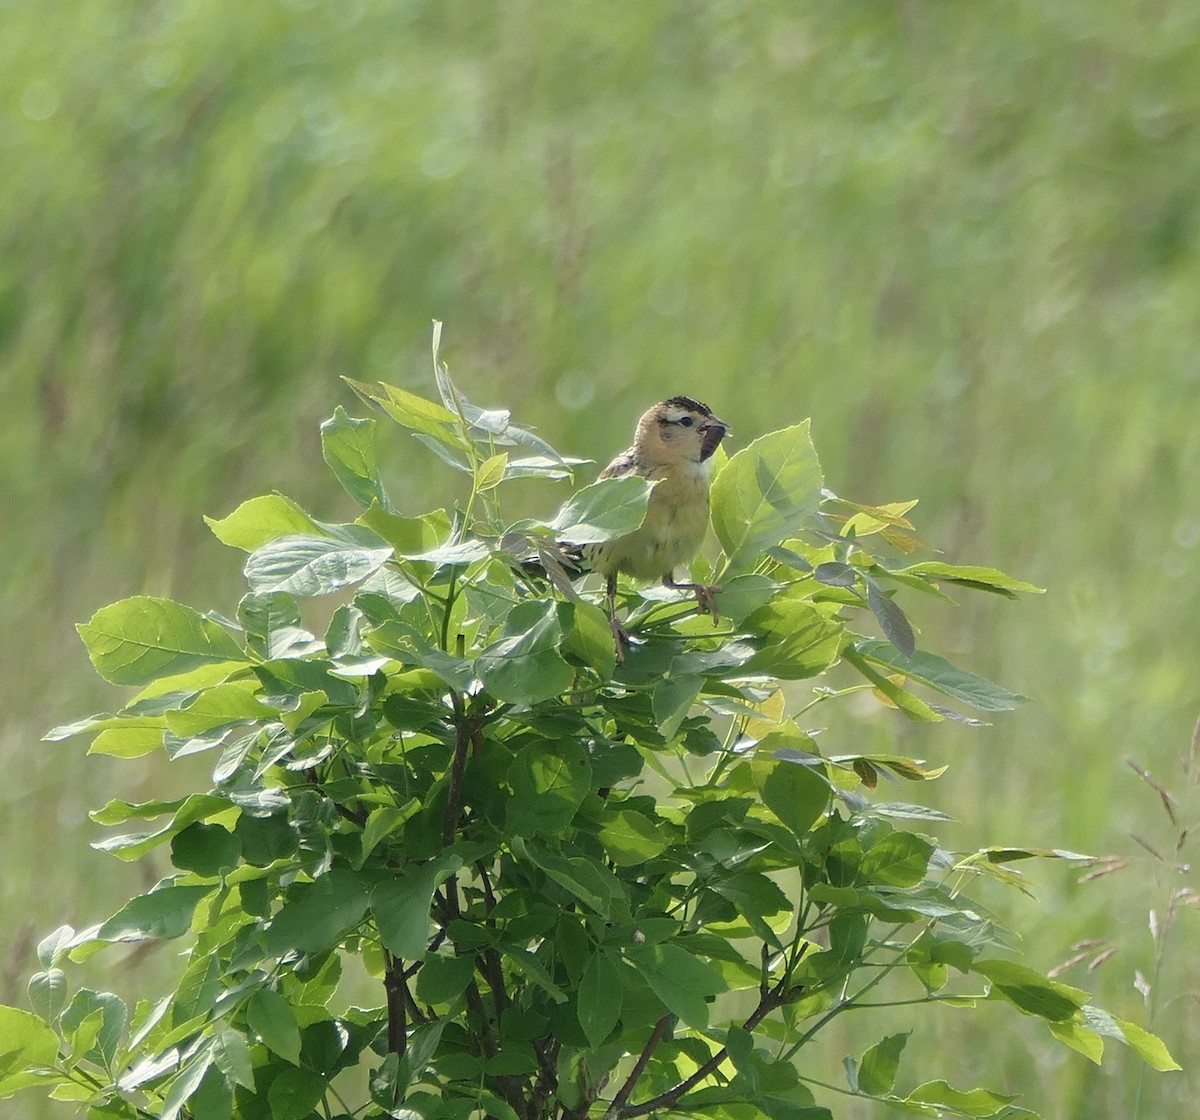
525, 667
401, 907
26, 1044
877, 1069
317, 915
602, 511
309, 566
795, 793
900, 859
599, 997
263, 519
796, 638
165, 912
764, 494
681, 980
138, 640
1029, 990
549, 782
271, 1017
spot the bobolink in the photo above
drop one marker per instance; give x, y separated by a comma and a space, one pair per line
673, 444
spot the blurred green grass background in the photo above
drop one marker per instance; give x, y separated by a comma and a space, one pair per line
964, 238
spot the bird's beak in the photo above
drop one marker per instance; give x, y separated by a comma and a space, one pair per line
712, 431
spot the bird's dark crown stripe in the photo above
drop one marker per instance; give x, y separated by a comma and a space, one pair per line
690, 404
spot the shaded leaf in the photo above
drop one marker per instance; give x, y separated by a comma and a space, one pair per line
941, 675
599, 999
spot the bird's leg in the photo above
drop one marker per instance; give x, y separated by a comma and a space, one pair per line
619, 633
706, 593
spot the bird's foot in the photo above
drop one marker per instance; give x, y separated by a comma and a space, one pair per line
620, 637
706, 600
706, 595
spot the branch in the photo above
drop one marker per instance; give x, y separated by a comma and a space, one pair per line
616, 1109
393, 985
767, 1003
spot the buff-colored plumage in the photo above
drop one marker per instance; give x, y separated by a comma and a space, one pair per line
673, 445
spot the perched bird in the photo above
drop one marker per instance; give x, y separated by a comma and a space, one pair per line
673, 444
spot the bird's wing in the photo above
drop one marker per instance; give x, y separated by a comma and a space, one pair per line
625, 463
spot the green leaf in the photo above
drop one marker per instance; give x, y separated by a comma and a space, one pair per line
385, 820
800, 639
912, 706
180, 1088
272, 623
138, 640
630, 839
207, 849
764, 494
134, 741
272, 1019
681, 980
974, 1102
317, 915
1029, 990
941, 675
590, 638
797, 795
415, 413
295, 1092
26, 1044
892, 619
599, 998
401, 906
348, 446
443, 979
1147, 1046
672, 699
878, 1066
309, 566
165, 912
48, 993
525, 667
223, 705
549, 782
602, 511
231, 1055
985, 579
900, 859
263, 519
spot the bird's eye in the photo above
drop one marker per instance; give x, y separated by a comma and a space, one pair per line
686, 421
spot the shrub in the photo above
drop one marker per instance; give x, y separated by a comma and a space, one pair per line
582, 886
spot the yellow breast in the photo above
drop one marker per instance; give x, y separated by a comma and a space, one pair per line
671, 534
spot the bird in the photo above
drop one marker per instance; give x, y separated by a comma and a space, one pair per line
673, 446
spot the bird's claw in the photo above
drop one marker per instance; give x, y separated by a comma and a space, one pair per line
706, 600
620, 637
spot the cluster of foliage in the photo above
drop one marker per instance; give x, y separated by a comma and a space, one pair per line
583, 885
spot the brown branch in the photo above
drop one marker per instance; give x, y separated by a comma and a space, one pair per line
621, 1111
393, 985
464, 729
617, 1107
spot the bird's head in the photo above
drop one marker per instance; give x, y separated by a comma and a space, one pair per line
679, 430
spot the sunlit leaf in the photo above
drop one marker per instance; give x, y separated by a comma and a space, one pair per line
348, 445
602, 511
309, 566
765, 493
140, 639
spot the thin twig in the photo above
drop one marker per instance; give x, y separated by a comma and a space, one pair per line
615, 1109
